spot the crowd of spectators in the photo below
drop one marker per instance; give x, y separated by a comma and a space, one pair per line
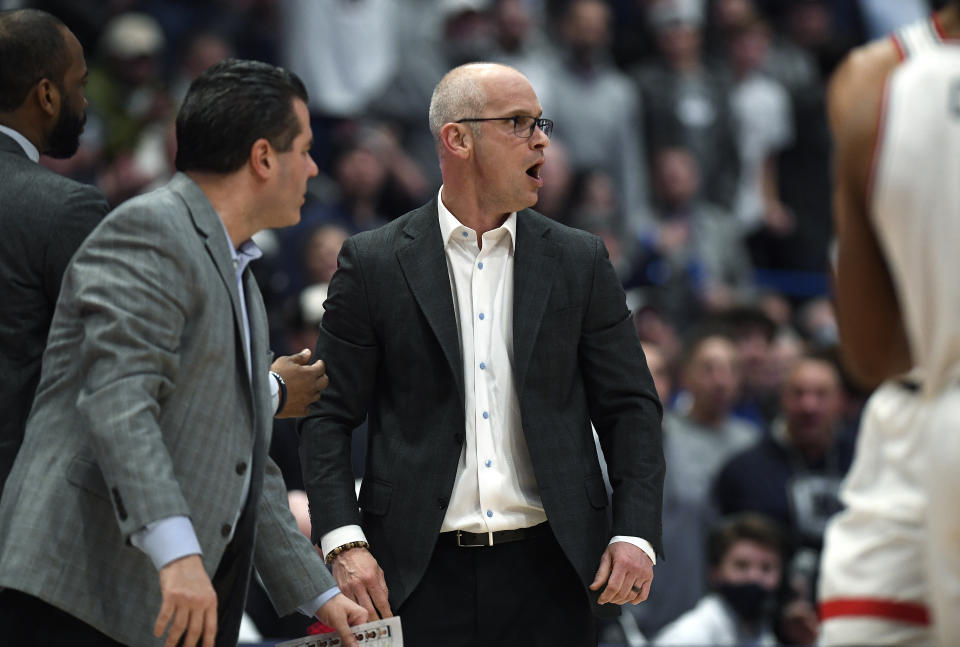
690, 135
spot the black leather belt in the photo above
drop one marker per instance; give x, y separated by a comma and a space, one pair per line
485, 539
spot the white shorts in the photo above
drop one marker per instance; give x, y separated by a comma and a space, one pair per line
873, 584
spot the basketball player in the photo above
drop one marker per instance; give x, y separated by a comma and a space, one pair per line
890, 571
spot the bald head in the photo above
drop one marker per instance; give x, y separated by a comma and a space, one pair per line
462, 92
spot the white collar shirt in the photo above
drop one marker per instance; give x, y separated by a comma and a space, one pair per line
495, 488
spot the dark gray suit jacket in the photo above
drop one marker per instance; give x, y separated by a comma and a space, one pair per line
43, 219
389, 340
145, 410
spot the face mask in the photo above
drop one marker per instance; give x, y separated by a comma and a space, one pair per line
749, 600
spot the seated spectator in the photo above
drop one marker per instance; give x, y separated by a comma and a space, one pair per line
754, 334
793, 475
746, 569
692, 251
698, 440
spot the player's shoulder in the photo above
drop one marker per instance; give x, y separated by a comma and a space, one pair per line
860, 75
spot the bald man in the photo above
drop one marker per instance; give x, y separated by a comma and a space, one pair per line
481, 339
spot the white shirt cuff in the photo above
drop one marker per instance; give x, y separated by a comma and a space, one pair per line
642, 544
167, 540
340, 536
310, 608
274, 393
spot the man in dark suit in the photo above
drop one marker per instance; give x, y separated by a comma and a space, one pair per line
482, 339
143, 495
43, 216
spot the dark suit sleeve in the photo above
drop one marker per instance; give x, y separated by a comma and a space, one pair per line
348, 345
623, 406
83, 208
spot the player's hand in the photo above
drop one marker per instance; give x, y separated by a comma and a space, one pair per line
628, 573
305, 382
189, 603
361, 579
341, 613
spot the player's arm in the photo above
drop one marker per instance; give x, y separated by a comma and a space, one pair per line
873, 341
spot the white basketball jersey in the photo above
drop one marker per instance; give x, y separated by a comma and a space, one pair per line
915, 205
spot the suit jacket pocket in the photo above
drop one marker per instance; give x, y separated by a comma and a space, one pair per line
596, 490
375, 496
87, 476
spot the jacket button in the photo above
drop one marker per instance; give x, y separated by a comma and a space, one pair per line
241, 468
225, 530
458, 438
442, 503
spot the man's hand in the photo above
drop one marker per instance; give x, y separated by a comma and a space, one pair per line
189, 601
305, 382
627, 572
360, 578
341, 613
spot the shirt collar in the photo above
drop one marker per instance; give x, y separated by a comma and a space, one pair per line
25, 143
247, 252
449, 225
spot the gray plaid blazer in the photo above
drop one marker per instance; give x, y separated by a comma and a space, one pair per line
144, 411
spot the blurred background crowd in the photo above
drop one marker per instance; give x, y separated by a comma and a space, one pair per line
690, 135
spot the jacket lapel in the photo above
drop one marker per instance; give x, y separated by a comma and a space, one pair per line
535, 259
424, 267
208, 223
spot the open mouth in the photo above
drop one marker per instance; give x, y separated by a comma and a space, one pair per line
534, 171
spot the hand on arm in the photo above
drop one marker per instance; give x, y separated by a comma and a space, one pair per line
305, 382
361, 579
627, 572
189, 603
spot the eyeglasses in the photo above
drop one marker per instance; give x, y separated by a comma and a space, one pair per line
523, 125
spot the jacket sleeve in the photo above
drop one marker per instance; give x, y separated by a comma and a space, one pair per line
623, 405
348, 345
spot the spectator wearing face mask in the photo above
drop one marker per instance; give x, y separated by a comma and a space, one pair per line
746, 567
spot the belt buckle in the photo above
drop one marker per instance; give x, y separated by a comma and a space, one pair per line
460, 543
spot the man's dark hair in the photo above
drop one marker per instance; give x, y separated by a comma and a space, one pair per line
747, 526
229, 107
32, 47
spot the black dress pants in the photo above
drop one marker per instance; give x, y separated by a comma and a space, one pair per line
524, 593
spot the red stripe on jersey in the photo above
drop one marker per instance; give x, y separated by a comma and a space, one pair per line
897, 45
941, 32
909, 612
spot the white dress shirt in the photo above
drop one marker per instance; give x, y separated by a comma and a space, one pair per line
495, 488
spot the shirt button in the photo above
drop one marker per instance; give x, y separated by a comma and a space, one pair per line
488, 463
483, 366
485, 415
225, 530
481, 316
489, 513
465, 234
480, 265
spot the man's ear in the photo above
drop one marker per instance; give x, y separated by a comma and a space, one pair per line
263, 160
457, 140
48, 97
